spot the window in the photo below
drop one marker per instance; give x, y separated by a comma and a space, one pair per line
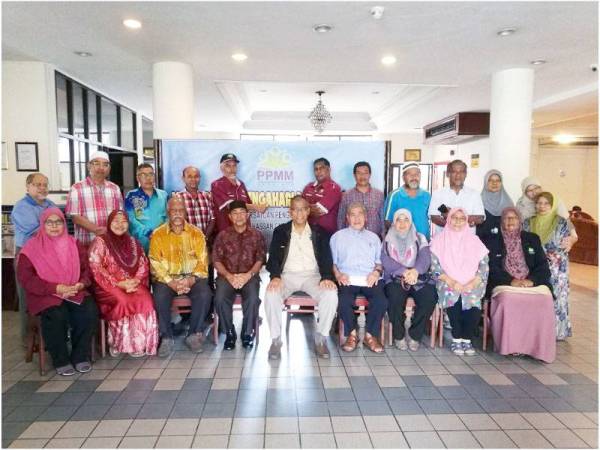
62, 113
110, 131
127, 129
78, 116
92, 113
64, 162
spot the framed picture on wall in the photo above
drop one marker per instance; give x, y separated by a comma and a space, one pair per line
412, 154
27, 156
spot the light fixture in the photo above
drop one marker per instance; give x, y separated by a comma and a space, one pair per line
83, 54
388, 60
322, 28
538, 62
319, 116
375, 92
564, 138
239, 57
506, 31
132, 23
262, 90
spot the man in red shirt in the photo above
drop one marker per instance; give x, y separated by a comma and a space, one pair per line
324, 197
227, 189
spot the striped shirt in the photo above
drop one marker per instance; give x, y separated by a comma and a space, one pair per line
93, 202
373, 201
199, 208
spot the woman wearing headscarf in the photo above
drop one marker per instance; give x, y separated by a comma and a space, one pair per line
52, 268
495, 199
120, 270
552, 230
406, 260
522, 310
459, 263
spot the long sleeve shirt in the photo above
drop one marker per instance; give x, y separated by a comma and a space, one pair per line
26, 218
354, 252
174, 256
145, 213
393, 269
373, 200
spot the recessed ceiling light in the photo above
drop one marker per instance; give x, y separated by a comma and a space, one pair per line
538, 62
375, 92
239, 57
83, 54
507, 31
322, 28
132, 23
263, 90
388, 60
564, 138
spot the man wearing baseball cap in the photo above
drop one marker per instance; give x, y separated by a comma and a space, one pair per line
410, 196
227, 189
90, 201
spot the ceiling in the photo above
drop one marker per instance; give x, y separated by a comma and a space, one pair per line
446, 54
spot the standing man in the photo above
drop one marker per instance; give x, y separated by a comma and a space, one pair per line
323, 197
198, 204
90, 201
300, 260
178, 262
146, 206
370, 197
456, 195
227, 189
238, 254
25, 216
411, 197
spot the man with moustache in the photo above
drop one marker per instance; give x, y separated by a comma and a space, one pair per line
323, 197
198, 204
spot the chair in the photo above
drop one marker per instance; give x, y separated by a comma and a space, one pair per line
361, 305
486, 322
236, 302
409, 311
183, 305
294, 303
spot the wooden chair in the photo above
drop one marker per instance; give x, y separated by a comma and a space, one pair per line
361, 306
236, 302
409, 311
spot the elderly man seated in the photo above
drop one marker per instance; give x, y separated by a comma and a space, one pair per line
179, 261
356, 254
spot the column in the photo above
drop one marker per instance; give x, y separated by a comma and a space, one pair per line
173, 100
510, 126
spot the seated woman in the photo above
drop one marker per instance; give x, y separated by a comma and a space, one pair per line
406, 260
52, 268
459, 263
522, 311
494, 199
552, 229
120, 270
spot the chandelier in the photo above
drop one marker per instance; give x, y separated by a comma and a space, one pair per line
320, 117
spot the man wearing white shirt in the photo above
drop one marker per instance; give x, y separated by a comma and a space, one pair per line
456, 195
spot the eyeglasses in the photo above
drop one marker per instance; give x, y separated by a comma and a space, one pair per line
53, 223
459, 219
100, 164
146, 175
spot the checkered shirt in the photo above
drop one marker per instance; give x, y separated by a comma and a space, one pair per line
199, 208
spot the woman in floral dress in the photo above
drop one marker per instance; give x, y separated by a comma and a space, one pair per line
120, 270
552, 229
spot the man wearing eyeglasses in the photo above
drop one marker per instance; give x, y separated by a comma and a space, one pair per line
146, 206
90, 201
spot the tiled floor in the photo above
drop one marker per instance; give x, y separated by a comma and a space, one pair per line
241, 399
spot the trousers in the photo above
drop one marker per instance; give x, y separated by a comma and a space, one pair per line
224, 297
463, 322
377, 307
425, 300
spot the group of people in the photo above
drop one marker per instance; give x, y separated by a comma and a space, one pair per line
129, 258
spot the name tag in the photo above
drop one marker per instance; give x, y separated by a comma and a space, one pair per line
494, 230
531, 251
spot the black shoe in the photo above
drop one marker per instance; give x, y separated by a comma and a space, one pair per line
247, 341
230, 340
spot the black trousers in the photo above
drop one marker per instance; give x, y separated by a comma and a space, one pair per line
463, 322
224, 297
377, 307
83, 321
425, 300
201, 297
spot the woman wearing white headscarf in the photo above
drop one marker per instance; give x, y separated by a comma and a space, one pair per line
495, 199
406, 259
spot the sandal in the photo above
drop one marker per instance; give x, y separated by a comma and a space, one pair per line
351, 342
373, 343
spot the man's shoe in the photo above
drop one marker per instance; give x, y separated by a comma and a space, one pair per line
83, 367
230, 340
194, 342
401, 344
322, 350
166, 347
275, 349
373, 343
351, 342
247, 341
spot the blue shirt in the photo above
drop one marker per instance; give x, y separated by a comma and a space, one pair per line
354, 252
26, 218
145, 213
417, 205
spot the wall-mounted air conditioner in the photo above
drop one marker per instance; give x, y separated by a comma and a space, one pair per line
457, 128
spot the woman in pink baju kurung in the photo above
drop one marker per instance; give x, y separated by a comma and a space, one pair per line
120, 270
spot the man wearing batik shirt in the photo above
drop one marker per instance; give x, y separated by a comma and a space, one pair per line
227, 189
146, 206
363, 193
90, 201
238, 254
323, 196
197, 203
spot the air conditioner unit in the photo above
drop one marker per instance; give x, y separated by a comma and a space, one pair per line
459, 127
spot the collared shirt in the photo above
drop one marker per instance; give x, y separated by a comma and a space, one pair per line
467, 198
355, 252
175, 256
26, 218
373, 201
417, 205
223, 192
93, 202
327, 197
199, 208
238, 252
301, 254
145, 213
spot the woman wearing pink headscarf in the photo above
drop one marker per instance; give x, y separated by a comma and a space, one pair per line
459, 262
52, 268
